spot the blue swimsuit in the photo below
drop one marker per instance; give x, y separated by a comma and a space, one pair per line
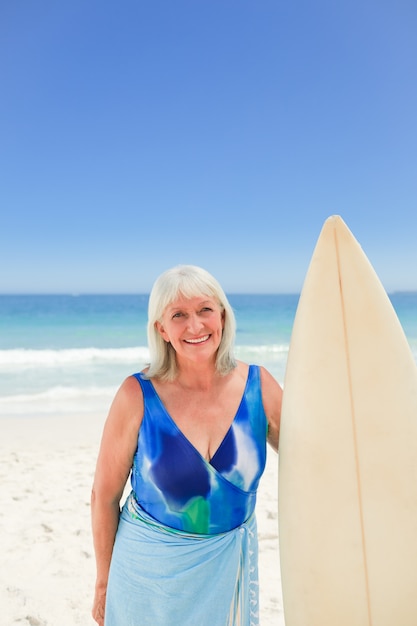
174, 484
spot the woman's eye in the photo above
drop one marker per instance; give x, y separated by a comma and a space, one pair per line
178, 314
206, 309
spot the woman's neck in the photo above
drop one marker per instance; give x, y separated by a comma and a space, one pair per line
197, 377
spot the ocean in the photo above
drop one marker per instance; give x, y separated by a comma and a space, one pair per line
63, 354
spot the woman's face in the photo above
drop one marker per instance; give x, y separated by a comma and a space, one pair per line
194, 327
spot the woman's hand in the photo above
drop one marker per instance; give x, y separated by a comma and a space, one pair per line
99, 606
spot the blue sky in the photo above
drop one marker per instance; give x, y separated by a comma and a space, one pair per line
138, 135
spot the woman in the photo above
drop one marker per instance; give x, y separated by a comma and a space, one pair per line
192, 430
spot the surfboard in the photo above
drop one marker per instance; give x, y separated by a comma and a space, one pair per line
347, 489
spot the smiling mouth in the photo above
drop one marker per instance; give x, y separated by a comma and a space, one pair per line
199, 340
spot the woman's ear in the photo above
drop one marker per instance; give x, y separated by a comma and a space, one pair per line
161, 330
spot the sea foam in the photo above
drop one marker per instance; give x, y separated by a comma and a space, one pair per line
50, 358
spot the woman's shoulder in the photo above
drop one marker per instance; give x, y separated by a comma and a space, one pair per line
242, 369
268, 382
129, 393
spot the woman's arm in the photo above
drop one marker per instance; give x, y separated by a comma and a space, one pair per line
272, 401
118, 445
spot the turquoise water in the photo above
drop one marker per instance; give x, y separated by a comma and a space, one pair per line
63, 354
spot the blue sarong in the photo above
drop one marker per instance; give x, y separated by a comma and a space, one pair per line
160, 576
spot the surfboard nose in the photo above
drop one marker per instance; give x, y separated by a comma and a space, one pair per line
334, 219
335, 225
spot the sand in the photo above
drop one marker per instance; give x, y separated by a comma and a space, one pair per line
48, 569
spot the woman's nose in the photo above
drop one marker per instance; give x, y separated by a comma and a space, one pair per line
194, 323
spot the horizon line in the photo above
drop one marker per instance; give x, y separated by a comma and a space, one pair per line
146, 293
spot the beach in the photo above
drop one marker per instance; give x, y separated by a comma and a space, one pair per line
48, 568
61, 360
